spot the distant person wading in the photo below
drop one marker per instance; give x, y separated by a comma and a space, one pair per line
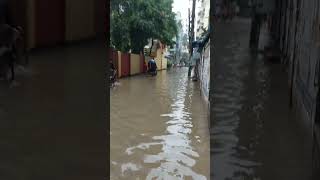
152, 67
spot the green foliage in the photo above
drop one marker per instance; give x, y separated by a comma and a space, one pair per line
133, 22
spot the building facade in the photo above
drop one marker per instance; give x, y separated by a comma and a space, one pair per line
202, 17
48, 23
204, 71
296, 29
202, 37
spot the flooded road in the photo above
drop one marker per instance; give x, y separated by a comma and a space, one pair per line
51, 122
254, 136
159, 128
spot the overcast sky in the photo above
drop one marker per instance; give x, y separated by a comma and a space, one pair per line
182, 7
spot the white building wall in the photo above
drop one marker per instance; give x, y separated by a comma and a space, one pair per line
203, 18
204, 71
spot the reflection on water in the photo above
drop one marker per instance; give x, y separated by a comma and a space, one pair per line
239, 99
255, 135
159, 128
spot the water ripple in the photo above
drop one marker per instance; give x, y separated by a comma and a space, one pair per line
174, 152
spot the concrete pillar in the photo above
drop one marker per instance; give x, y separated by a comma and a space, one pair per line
80, 19
31, 24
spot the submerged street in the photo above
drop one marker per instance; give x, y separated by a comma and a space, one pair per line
254, 134
159, 128
159, 125
198, 90
47, 129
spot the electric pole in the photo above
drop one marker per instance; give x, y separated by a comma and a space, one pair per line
191, 35
189, 29
255, 26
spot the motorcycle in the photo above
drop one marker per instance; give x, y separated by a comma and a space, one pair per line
153, 73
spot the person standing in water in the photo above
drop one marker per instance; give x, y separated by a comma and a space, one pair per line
152, 66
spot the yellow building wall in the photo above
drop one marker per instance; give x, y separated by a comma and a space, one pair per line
164, 63
134, 64
81, 20
158, 59
147, 59
164, 59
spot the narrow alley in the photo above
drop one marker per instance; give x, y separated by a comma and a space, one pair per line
253, 135
159, 128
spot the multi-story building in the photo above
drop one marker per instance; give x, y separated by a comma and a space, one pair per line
181, 39
202, 17
202, 37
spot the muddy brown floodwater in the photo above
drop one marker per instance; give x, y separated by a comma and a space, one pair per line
159, 128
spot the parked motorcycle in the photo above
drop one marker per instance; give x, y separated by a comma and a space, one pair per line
153, 73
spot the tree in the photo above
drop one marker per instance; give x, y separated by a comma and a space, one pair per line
119, 37
119, 33
134, 22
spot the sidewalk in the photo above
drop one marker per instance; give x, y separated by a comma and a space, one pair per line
253, 135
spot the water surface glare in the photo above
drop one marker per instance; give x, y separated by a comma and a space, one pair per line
159, 128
